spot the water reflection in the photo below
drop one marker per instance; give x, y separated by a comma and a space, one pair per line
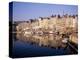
46, 40
40, 45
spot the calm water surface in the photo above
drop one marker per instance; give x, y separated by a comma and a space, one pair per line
39, 45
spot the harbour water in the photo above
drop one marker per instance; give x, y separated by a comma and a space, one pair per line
40, 45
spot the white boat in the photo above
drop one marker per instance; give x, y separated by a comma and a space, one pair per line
27, 32
65, 40
50, 32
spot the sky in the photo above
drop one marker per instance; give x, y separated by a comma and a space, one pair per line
23, 11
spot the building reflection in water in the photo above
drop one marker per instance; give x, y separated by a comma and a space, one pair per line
46, 40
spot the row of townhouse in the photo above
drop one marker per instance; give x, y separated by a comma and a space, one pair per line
50, 24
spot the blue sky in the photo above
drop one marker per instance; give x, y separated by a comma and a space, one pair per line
23, 11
